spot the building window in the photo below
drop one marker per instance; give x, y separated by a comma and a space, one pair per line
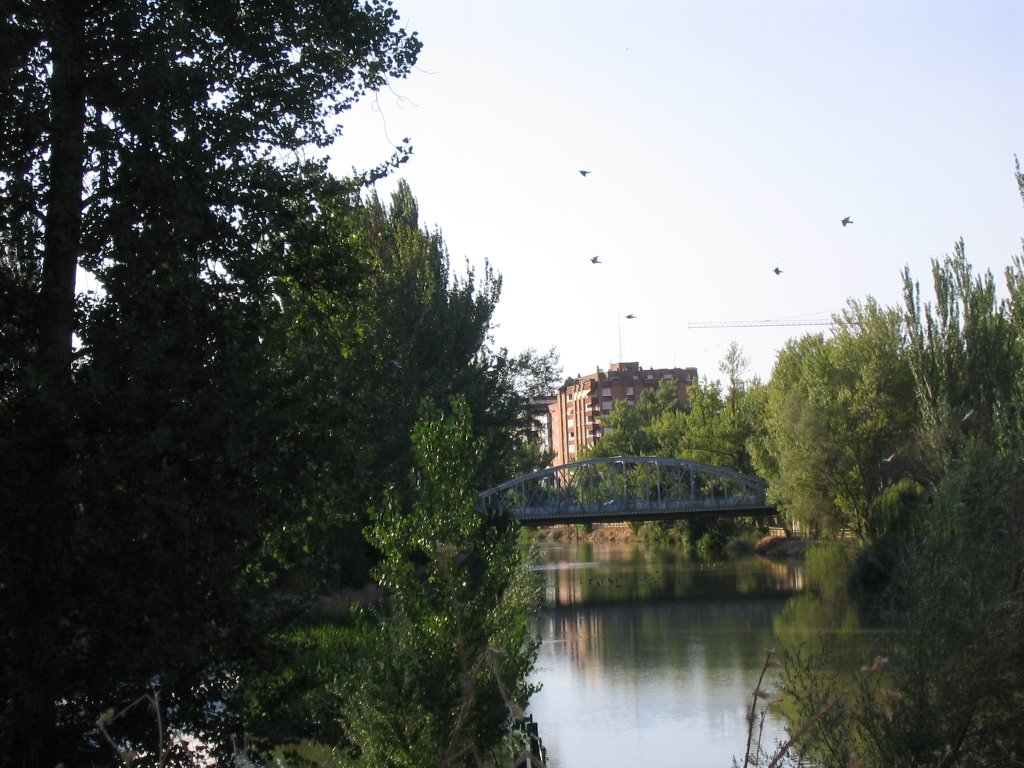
629, 390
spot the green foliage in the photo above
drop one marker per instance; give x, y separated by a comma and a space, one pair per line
838, 423
962, 348
427, 334
651, 532
947, 683
957, 662
944, 688
369, 345
183, 477
154, 144
631, 430
711, 535
713, 428
709, 431
445, 667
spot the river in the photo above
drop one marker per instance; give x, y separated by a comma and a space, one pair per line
649, 655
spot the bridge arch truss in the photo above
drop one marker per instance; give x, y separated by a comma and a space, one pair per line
627, 488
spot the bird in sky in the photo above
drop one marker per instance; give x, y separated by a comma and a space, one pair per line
847, 220
595, 259
631, 316
584, 173
777, 271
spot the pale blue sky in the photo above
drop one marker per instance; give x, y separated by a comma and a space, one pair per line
723, 139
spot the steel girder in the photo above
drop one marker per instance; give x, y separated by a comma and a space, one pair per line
626, 488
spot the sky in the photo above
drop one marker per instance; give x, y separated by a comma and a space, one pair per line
724, 139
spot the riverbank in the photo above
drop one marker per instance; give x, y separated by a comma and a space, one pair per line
772, 546
782, 546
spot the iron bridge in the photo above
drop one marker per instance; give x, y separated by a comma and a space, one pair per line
627, 488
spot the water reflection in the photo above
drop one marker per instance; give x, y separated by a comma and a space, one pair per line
648, 655
824, 613
587, 574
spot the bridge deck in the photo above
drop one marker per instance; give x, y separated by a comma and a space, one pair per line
539, 516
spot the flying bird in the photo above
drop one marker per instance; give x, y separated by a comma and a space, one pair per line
584, 173
777, 271
595, 259
847, 220
630, 316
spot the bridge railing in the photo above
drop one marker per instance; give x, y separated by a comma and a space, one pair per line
603, 488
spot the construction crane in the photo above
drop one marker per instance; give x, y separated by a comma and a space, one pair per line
757, 323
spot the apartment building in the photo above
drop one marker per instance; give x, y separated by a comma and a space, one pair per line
574, 418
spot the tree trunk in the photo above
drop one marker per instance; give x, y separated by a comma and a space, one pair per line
63, 220
35, 741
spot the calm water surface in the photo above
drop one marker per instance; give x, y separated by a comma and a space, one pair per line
649, 656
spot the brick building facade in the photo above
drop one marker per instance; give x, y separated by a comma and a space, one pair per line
574, 418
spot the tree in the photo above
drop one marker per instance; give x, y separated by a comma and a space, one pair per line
447, 669
839, 420
703, 431
535, 375
709, 428
369, 344
158, 145
964, 353
945, 686
428, 336
630, 430
150, 117
714, 426
793, 430
734, 365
